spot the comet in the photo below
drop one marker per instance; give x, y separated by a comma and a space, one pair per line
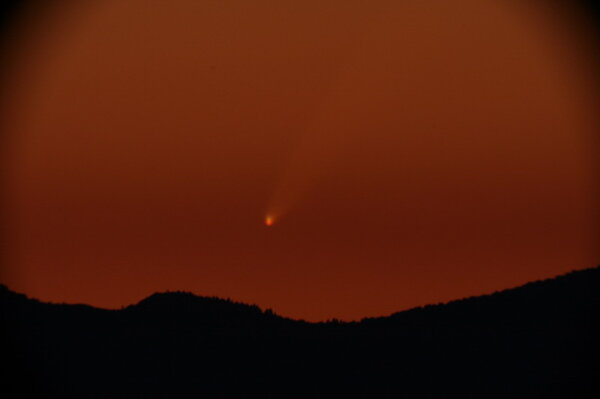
268, 221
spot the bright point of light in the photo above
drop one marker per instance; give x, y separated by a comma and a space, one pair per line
269, 221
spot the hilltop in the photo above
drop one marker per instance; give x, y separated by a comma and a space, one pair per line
537, 340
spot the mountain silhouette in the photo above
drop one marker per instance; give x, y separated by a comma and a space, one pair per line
539, 340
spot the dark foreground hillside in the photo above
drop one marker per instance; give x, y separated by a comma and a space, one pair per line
540, 340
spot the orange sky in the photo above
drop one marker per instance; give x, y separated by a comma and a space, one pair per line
410, 152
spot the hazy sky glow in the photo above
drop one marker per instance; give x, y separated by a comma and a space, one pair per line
407, 152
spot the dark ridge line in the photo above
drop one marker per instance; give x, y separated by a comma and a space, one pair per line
169, 295
529, 284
